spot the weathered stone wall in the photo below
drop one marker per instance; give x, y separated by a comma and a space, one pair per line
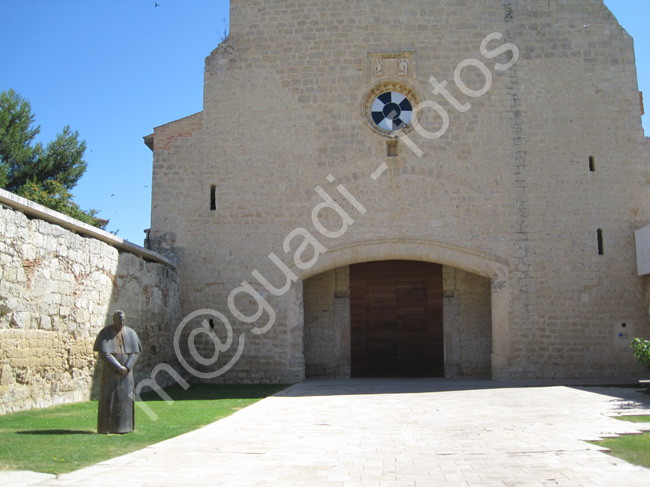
326, 299
57, 290
468, 324
506, 193
165, 136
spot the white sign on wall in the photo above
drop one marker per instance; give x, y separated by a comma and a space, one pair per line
623, 334
642, 240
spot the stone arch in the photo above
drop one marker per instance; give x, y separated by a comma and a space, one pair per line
464, 258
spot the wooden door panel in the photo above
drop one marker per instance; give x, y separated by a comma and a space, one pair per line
396, 319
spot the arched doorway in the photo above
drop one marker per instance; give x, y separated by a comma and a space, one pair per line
475, 307
433, 318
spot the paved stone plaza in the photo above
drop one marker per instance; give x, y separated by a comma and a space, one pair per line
419, 432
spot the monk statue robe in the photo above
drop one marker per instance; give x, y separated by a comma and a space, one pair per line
118, 347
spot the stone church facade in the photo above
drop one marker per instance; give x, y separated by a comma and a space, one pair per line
381, 188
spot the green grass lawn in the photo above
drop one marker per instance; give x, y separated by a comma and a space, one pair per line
63, 438
631, 448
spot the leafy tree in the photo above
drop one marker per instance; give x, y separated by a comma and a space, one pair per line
641, 351
61, 161
44, 175
16, 136
55, 196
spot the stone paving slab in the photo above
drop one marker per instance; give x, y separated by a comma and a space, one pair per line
381, 433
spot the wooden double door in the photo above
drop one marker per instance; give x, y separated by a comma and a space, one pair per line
396, 319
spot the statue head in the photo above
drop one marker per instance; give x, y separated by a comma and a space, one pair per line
119, 319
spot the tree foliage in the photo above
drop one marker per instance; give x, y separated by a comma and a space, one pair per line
54, 195
641, 351
16, 136
43, 174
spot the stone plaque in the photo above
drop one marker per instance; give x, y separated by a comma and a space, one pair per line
390, 64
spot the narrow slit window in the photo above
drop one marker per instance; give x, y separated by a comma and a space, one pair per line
592, 164
213, 197
391, 148
599, 236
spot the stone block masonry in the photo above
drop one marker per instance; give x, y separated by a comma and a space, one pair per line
529, 197
57, 290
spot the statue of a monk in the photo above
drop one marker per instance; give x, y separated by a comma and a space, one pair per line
118, 347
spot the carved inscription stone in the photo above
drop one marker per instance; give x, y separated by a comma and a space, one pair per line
391, 64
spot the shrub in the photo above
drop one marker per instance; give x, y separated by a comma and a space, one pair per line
641, 351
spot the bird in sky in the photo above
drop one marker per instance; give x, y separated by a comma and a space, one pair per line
156, 4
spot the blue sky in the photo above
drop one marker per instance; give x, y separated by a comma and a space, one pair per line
114, 70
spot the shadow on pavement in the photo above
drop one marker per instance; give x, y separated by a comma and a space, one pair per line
334, 387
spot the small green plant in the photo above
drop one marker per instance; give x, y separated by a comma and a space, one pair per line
641, 351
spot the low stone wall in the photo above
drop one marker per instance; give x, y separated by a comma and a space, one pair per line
57, 290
